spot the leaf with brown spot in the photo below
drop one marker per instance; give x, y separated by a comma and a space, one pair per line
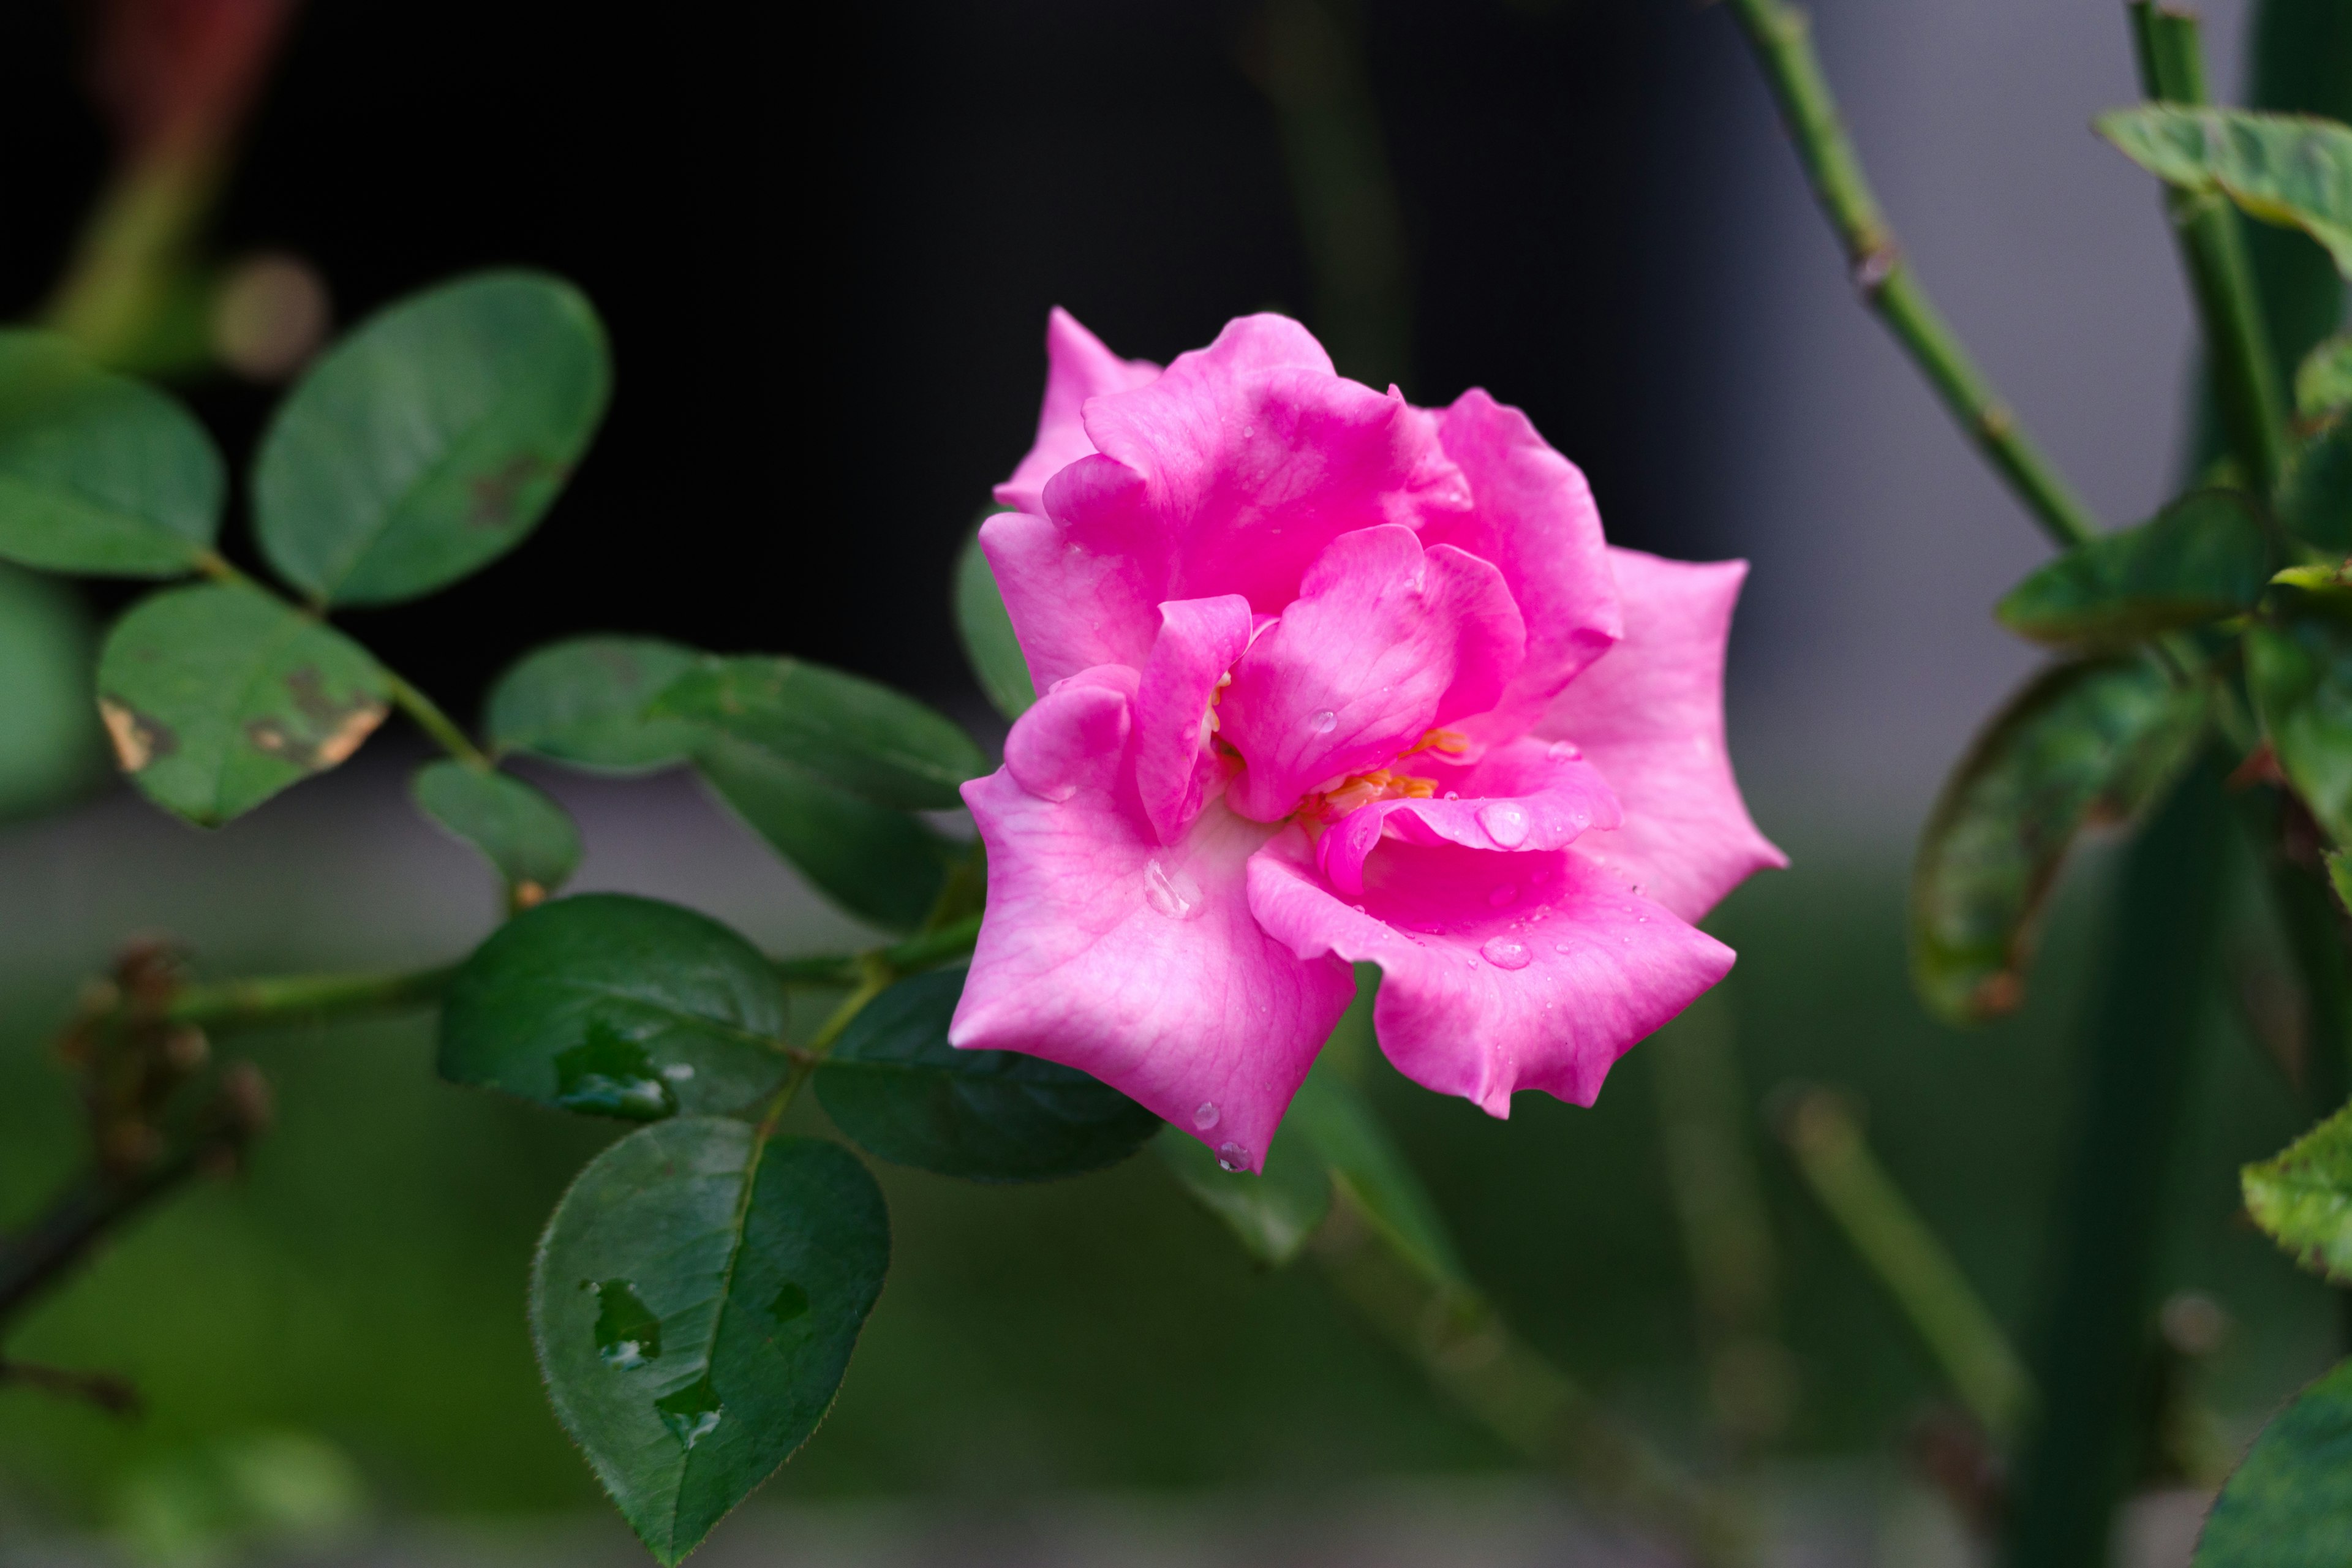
218, 696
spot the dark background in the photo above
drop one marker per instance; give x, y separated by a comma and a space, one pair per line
825, 254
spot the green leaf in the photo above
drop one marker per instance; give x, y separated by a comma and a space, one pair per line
880, 865
2095, 740
873, 741
1345, 1134
2201, 558
2315, 493
2303, 1197
616, 1006
1271, 1214
2339, 876
901, 1092
694, 1303
2291, 170
2299, 673
986, 632
529, 839
2289, 1504
2323, 383
430, 441
217, 696
49, 737
583, 701
99, 473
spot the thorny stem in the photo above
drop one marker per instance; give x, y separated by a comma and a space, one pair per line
1781, 37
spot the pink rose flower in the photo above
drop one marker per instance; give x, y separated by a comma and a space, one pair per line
1329, 678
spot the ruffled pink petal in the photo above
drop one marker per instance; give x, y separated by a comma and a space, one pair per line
1139, 962
1199, 640
1077, 367
1384, 640
1528, 795
1535, 519
1498, 972
1231, 472
1650, 717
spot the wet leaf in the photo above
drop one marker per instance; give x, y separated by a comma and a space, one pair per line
2287, 169
217, 696
861, 736
1271, 1214
2094, 740
2201, 558
694, 1303
986, 632
882, 866
2303, 1197
2323, 383
899, 1091
98, 472
1347, 1135
2299, 673
431, 440
527, 837
2289, 1504
583, 701
616, 1006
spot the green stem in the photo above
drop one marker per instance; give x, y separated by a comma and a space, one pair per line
1780, 38
235, 1004
435, 723
2247, 385
1910, 1261
928, 951
2141, 1032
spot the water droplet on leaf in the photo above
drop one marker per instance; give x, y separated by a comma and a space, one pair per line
627, 1334
607, 1075
790, 1302
692, 1413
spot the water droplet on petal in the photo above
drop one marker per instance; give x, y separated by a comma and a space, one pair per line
1564, 751
1505, 953
1323, 723
1453, 795
1171, 893
1560, 947
1508, 893
1231, 1157
1204, 1117
1506, 822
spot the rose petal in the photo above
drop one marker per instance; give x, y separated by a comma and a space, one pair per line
1077, 367
1650, 717
1384, 640
1528, 796
1199, 640
1499, 971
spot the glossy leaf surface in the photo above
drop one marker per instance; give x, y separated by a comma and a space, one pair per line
2289, 1503
2299, 672
1272, 1214
863, 737
2286, 169
616, 1006
527, 837
430, 441
986, 632
2096, 740
2201, 558
901, 1092
2303, 1197
583, 701
695, 1302
217, 696
98, 472
880, 865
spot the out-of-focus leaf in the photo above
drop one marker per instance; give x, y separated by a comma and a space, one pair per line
529, 839
2299, 673
2289, 1504
99, 473
1345, 1134
2323, 383
616, 1006
2200, 558
1272, 1214
2097, 739
583, 701
2339, 877
880, 865
2288, 169
989, 645
49, 736
695, 1303
901, 1092
876, 743
218, 696
2303, 1196
2315, 493
430, 441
